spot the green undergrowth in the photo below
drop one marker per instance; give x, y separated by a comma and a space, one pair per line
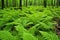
29, 24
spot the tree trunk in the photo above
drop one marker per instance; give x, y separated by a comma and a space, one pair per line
6, 3
14, 3
26, 3
2, 4
57, 3
45, 3
34, 2
54, 2
20, 4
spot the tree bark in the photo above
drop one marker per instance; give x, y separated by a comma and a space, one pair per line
6, 3
45, 3
14, 3
34, 2
2, 4
20, 4
26, 3
57, 3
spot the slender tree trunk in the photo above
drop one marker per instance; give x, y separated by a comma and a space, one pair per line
57, 3
54, 2
20, 4
26, 3
34, 2
2, 4
39, 1
45, 3
14, 3
30, 3
6, 3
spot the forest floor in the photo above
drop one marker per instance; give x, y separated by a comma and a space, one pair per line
31, 23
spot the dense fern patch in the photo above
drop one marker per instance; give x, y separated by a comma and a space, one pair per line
29, 24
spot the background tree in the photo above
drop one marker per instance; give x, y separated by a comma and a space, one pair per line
26, 3
34, 2
30, 3
14, 3
6, 3
45, 3
20, 4
54, 2
58, 3
3, 4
